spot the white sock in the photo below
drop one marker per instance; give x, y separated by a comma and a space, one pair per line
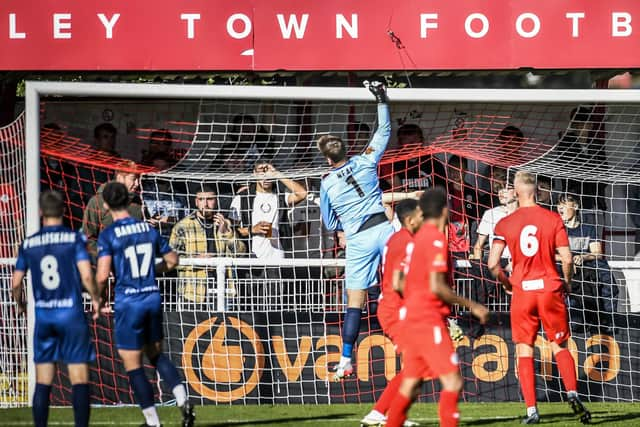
531, 410
344, 361
180, 393
151, 416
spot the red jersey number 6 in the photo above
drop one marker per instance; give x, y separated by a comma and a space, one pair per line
529, 244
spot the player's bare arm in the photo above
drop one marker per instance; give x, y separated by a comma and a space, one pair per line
103, 270
169, 262
441, 289
17, 291
398, 281
396, 196
494, 264
566, 260
89, 283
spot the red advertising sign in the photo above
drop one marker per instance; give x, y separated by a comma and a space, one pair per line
312, 35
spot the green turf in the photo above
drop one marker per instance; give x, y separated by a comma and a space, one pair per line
477, 414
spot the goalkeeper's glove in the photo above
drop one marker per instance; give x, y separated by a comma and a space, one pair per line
377, 89
455, 331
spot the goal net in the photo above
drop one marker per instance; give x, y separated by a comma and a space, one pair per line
231, 177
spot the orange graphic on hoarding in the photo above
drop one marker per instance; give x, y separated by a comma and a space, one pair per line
221, 363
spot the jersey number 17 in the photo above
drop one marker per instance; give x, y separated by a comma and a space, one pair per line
139, 269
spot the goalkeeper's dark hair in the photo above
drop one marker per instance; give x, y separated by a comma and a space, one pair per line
433, 202
51, 204
332, 147
116, 196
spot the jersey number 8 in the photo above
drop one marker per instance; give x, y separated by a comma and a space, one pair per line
529, 244
50, 278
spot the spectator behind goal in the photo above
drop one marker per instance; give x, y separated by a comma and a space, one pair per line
415, 174
260, 211
594, 291
160, 143
97, 217
204, 233
163, 198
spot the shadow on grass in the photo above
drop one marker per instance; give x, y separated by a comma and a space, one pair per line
597, 417
277, 420
605, 419
490, 421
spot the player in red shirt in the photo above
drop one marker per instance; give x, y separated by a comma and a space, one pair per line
410, 216
427, 297
533, 235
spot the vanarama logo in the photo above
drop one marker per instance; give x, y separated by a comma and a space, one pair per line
223, 361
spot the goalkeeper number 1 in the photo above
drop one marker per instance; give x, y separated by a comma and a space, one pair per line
351, 200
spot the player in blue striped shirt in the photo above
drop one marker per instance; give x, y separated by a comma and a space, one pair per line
60, 267
351, 200
131, 246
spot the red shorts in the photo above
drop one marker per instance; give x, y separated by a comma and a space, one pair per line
389, 318
528, 309
430, 353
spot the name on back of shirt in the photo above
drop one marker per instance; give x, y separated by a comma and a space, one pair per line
128, 229
342, 173
49, 238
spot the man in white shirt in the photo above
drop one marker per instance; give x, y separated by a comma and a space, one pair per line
259, 210
508, 204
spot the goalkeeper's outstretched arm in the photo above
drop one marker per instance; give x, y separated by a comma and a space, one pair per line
380, 138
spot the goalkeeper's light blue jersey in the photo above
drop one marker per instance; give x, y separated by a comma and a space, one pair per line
350, 194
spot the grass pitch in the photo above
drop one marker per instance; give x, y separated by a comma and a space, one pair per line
473, 414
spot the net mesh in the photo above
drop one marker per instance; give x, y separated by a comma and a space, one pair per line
254, 319
13, 329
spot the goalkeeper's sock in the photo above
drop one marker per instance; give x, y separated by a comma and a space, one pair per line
384, 403
567, 368
527, 380
398, 411
40, 409
170, 375
350, 331
448, 408
80, 394
144, 395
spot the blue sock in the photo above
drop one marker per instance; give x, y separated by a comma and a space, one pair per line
141, 387
350, 330
40, 407
81, 407
167, 370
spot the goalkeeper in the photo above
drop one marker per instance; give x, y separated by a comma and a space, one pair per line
351, 200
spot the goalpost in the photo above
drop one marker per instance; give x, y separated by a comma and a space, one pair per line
263, 331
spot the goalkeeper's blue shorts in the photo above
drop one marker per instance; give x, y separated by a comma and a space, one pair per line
364, 254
